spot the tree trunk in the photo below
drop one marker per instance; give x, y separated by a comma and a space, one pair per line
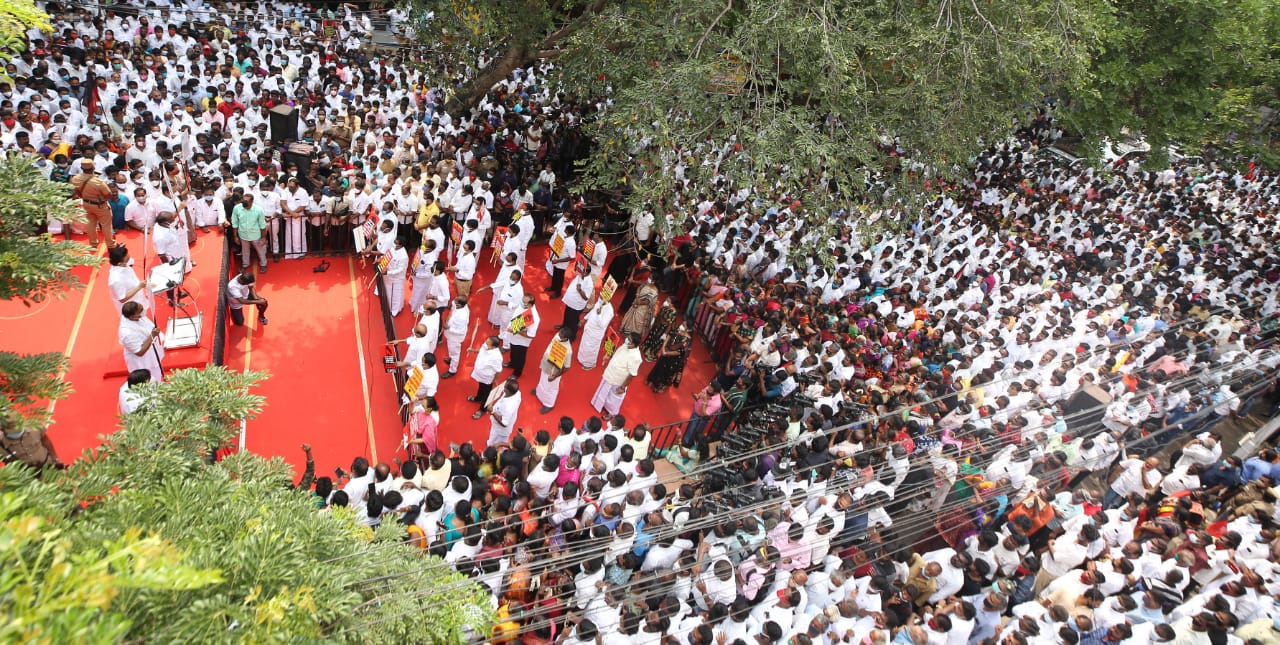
470, 96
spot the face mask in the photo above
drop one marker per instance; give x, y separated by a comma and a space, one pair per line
15, 435
130, 262
208, 198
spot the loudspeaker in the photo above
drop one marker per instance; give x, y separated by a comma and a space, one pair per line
1085, 409
303, 161
284, 124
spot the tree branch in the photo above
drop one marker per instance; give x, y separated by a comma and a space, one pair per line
698, 47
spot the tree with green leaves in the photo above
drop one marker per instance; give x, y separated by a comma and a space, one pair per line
795, 96
34, 266
148, 539
807, 99
1195, 72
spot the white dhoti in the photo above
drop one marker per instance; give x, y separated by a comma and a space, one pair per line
295, 238
273, 222
548, 390
498, 433
418, 297
498, 314
454, 343
395, 292
607, 398
589, 349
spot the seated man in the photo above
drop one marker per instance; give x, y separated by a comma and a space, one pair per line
240, 292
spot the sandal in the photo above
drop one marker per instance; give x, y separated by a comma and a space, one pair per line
477, 415
322, 267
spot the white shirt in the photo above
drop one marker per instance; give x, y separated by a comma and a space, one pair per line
625, 362
129, 400
133, 335
574, 297
456, 326
488, 364
466, 266
122, 280
530, 331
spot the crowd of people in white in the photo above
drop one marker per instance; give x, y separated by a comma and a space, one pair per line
925, 480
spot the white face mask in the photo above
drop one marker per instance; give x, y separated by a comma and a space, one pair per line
130, 262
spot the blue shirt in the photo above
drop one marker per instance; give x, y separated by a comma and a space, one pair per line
1255, 467
117, 211
1220, 474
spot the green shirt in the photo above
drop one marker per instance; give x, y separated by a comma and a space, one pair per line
248, 222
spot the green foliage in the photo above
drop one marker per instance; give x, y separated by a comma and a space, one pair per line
28, 382
55, 590
194, 551
1190, 71
34, 266
800, 93
16, 17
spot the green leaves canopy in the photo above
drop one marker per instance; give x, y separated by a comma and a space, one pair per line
153, 542
798, 92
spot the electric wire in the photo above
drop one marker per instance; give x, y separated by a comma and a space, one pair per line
713, 465
708, 523
716, 464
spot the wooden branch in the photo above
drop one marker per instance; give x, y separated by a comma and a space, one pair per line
698, 47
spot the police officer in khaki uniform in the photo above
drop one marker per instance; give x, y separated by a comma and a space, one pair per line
32, 448
94, 193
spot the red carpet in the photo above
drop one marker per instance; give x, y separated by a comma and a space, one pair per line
320, 323
86, 323
641, 406
315, 393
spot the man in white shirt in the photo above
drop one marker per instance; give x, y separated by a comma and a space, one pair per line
130, 400
519, 333
563, 249
555, 361
207, 210
268, 199
486, 368
455, 331
139, 214
623, 366
416, 345
395, 276
241, 292
140, 339
171, 241
576, 299
503, 408
464, 269
123, 281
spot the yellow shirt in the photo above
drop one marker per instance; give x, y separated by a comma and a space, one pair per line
427, 214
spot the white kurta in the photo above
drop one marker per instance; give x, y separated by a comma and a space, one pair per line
122, 280
171, 241
505, 406
594, 325
548, 390
421, 283
455, 332
513, 295
394, 279
133, 336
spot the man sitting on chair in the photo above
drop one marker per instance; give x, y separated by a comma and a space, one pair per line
240, 292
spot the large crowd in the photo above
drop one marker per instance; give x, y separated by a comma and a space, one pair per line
893, 448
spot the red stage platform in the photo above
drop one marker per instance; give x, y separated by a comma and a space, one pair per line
323, 352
